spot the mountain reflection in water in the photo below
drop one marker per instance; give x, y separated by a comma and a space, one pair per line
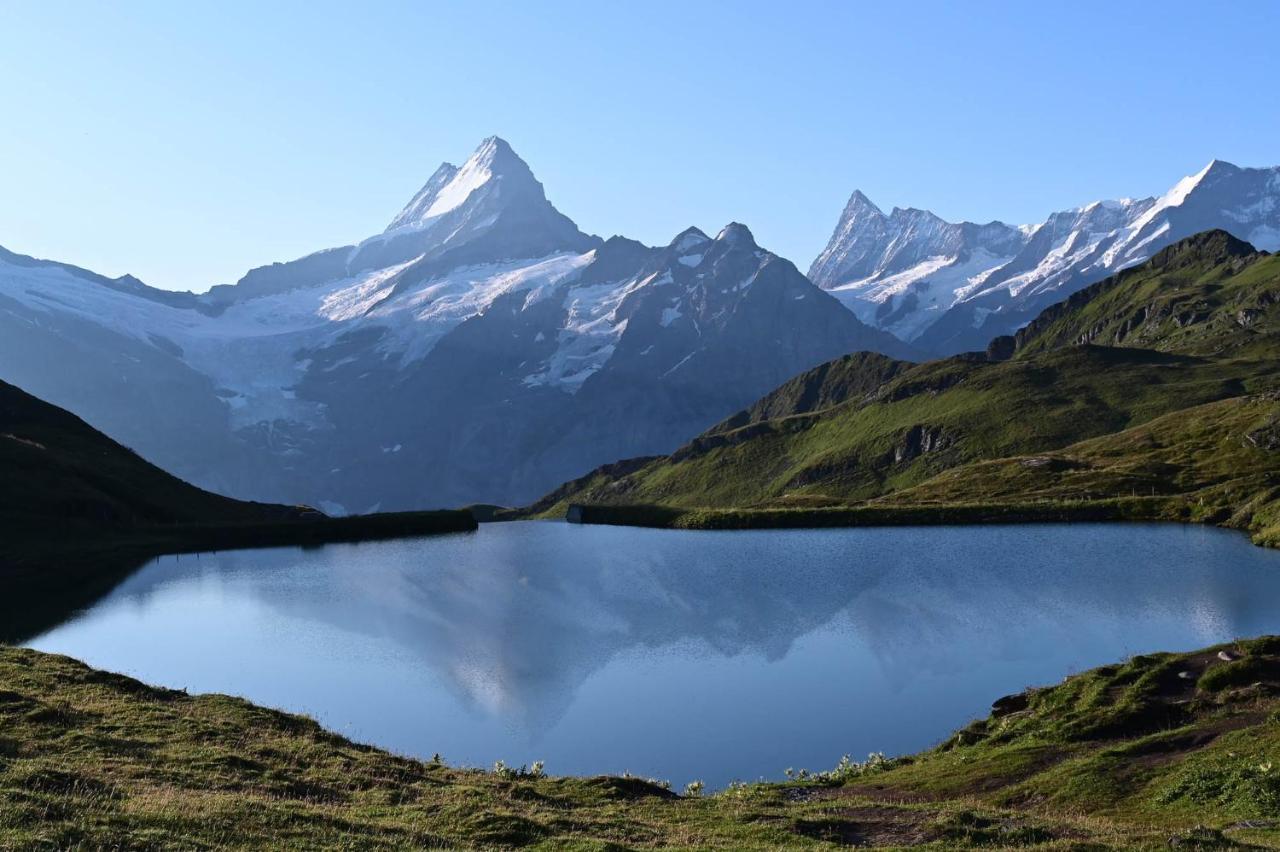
667, 653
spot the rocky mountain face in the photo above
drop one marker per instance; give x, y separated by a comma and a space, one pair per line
951, 287
481, 349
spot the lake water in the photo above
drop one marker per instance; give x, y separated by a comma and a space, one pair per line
669, 654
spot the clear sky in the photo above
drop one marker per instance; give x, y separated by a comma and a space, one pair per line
186, 143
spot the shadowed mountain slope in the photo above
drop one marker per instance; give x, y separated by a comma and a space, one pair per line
74, 500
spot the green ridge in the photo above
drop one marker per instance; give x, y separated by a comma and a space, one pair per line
1161, 750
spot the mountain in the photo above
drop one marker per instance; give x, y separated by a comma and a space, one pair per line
951, 287
1170, 304
894, 271
491, 209
481, 349
1197, 325
71, 490
60, 471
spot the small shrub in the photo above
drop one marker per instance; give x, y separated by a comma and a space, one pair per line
1240, 672
665, 785
1248, 786
510, 773
847, 769
694, 789
1262, 646
973, 829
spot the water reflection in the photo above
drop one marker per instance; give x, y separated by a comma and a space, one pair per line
604, 649
39, 592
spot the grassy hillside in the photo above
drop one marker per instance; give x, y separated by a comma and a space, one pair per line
1193, 326
1216, 463
1209, 295
854, 376
930, 418
1161, 750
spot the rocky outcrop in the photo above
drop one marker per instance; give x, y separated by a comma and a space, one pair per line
921, 440
1266, 437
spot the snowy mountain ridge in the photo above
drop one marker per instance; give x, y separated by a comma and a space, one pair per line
950, 287
481, 348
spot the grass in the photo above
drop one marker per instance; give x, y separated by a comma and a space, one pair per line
865, 449
1205, 464
1159, 748
1209, 295
667, 517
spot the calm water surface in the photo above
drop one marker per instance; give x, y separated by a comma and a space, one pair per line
676, 655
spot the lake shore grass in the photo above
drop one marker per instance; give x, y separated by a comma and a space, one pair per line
871, 515
1157, 751
1215, 464
886, 514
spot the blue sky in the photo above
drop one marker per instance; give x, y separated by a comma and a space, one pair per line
186, 143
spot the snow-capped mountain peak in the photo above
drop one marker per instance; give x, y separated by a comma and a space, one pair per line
952, 287
420, 205
483, 348
736, 234
1182, 190
1187, 185
859, 205
689, 238
451, 186
899, 271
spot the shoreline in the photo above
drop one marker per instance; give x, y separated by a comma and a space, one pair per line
1160, 509
161, 540
218, 770
45, 577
